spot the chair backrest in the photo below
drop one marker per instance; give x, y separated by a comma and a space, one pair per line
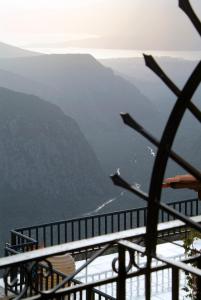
62, 263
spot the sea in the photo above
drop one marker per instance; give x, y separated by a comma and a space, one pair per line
119, 53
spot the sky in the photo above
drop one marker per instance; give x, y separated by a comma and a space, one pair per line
118, 24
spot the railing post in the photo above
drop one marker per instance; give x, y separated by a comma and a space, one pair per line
197, 207
175, 283
13, 239
89, 294
121, 281
5, 277
198, 287
148, 279
13, 273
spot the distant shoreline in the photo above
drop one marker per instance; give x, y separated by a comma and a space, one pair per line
120, 53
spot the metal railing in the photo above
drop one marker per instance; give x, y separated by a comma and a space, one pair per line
32, 276
49, 234
15, 281
30, 238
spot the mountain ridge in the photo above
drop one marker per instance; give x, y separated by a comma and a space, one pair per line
9, 51
94, 96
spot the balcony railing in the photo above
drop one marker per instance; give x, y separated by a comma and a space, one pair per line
44, 235
58, 233
28, 274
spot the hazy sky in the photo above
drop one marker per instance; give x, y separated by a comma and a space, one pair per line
131, 24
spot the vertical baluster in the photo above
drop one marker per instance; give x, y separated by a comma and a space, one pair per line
89, 294
145, 216
177, 205
197, 207
41, 279
72, 231
131, 219
198, 283
124, 220
21, 277
186, 208
52, 280
92, 221
174, 206
37, 236
29, 232
138, 219
79, 229
112, 223
44, 235
66, 232
180, 210
6, 278
58, 234
18, 240
51, 235
99, 226
148, 279
121, 281
46, 283
191, 208
118, 225
160, 218
175, 283
23, 245
13, 243
168, 217
105, 224
193, 205
86, 232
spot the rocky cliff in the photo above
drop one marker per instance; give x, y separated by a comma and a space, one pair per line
48, 170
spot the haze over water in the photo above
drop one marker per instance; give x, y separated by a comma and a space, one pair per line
119, 53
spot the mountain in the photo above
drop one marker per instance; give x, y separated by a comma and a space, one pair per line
134, 70
94, 96
48, 170
187, 141
23, 84
8, 51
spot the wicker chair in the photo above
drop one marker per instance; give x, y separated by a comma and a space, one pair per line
63, 265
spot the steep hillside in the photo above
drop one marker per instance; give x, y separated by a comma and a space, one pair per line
48, 170
149, 84
23, 84
134, 70
94, 96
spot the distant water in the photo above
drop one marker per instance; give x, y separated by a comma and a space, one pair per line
120, 53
